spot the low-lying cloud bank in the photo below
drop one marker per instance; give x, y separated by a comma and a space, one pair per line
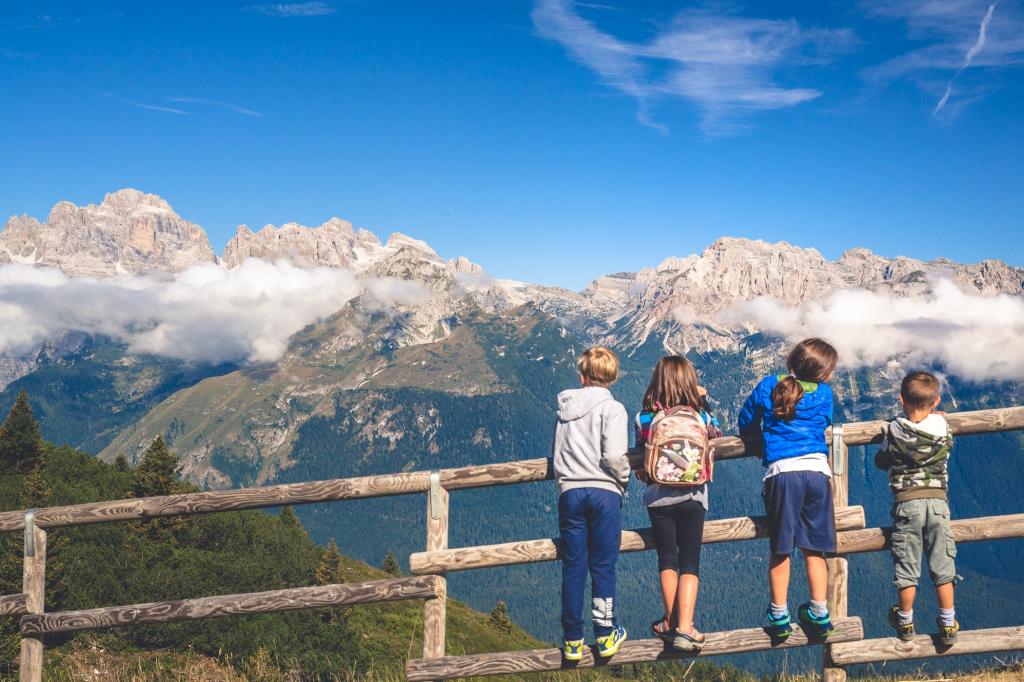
972, 336
204, 314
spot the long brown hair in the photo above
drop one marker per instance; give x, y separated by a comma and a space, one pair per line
810, 360
673, 383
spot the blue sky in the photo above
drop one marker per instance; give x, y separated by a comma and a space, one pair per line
549, 141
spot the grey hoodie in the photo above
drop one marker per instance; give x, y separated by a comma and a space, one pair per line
590, 443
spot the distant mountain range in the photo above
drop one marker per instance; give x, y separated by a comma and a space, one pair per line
462, 368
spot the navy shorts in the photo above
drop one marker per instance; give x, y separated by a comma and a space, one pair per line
800, 512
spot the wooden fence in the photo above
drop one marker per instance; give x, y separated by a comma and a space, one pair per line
429, 567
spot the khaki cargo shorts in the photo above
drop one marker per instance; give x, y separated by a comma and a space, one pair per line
922, 525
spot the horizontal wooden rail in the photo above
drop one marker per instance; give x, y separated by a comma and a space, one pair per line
417, 587
535, 551
976, 529
506, 473
634, 651
928, 646
13, 604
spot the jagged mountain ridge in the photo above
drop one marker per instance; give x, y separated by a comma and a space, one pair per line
681, 298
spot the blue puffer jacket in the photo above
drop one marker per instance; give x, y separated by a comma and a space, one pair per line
804, 435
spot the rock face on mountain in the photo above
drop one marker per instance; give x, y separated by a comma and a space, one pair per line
129, 232
684, 297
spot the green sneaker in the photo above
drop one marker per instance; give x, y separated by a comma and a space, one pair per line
778, 628
904, 631
572, 649
947, 633
820, 628
610, 643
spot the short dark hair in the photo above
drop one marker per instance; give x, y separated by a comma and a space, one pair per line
919, 390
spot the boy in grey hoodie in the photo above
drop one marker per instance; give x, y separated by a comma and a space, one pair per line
590, 465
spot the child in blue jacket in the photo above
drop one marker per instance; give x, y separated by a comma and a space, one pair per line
787, 415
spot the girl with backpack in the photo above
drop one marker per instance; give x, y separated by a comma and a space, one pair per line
786, 416
674, 428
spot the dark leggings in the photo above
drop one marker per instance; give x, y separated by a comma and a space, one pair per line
678, 532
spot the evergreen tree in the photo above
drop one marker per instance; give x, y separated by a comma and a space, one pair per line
290, 520
390, 565
121, 463
35, 490
499, 617
21, 443
329, 570
157, 473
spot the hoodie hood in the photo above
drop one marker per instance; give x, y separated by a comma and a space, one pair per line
579, 402
934, 426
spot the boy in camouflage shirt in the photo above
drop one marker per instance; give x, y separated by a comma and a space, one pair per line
916, 453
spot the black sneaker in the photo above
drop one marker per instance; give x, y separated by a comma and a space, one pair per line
820, 628
904, 631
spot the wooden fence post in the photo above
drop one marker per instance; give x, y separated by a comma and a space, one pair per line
34, 587
435, 610
838, 572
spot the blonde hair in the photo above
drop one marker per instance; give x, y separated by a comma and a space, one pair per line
599, 366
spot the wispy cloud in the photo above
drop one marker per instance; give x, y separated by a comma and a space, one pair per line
294, 9
215, 103
956, 34
150, 107
722, 63
979, 44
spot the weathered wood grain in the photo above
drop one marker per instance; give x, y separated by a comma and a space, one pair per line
838, 573
535, 551
435, 611
981, 421
33, 585
417, 587
928, 646
221, 500
634, 651
964, 530
14, 604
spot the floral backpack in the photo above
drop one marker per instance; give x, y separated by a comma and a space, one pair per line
677, 451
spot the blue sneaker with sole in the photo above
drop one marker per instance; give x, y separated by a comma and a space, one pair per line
610, 643
779, 628
814, 626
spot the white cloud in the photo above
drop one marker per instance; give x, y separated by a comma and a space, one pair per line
216, 103
205, 314
294, 9
722, 63
953, 35
974, 336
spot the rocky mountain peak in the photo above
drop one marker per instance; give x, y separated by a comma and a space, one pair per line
129, 232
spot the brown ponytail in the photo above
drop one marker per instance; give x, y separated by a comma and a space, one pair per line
810, 360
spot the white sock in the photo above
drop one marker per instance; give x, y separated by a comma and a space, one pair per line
778, 611
947, 616
819, 609
906, 617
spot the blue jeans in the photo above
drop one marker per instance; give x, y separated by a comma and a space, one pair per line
590, 521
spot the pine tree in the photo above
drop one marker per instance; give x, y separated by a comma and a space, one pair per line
35, 490
390, 565
21, 442
499, 617
157, 473
290, 520
121, 464
329, 570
